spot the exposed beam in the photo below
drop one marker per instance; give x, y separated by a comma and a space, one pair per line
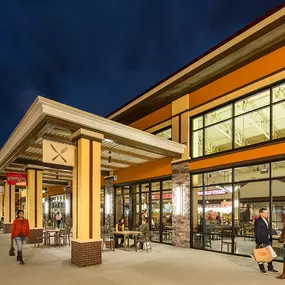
56, 138
117, 151
62, 183
43, 164
31, 154
118, 161
56, 178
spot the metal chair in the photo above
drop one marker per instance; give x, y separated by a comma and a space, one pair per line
145, 240
64, 236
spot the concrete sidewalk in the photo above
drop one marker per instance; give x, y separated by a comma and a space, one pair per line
165, 265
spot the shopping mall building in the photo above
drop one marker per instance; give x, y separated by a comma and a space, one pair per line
198, 154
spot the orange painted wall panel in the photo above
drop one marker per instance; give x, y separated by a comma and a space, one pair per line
249, 73
154, 118
147, 170
242, 156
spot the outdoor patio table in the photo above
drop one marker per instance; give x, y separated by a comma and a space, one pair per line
126, 235
56, 238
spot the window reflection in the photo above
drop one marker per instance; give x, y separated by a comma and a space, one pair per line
245, 122
227, 206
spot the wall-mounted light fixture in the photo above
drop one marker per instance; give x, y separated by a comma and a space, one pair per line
108, 205
180, 195
67, 206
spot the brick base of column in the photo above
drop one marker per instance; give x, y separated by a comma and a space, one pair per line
86, 253
36, 236
7, 228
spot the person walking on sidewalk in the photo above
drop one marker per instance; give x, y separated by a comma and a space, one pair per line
282, 239
20, 231
263, 237
58, 219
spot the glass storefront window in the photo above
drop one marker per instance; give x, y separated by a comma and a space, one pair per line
253, 172
249, 198
218, 177
253, 102
197, 180
218, 115
197, 143
218, 137
167, 185
223, 214
278, 169
242, 123
135, 203
197, 217
155, 215
278, 93
145, 187
278, 117
155, 186
167, 217
197, 123
165, 134
252, 128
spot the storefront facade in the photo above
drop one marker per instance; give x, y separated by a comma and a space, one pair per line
197, 155
232, 120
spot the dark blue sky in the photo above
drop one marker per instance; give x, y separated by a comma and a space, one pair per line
97, 55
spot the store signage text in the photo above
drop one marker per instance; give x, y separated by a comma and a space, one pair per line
212, 192
13, 178
164, 196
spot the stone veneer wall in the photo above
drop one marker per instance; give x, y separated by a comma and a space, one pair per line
109, 190
181, 221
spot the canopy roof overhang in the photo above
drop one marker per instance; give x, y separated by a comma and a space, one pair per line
47, 119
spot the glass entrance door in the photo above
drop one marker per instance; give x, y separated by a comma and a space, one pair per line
151, 201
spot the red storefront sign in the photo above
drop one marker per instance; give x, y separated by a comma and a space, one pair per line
164, 196
13, 178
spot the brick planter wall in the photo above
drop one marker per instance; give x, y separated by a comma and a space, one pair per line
86, 253
181, 220
7, 228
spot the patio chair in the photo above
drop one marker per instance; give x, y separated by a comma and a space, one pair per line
145, 240
227, 241
64, 236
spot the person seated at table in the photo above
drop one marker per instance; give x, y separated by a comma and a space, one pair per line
120, 227
144, 229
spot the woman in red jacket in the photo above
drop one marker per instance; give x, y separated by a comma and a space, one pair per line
20, 231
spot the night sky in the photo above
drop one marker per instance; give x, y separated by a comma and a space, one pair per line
97, 55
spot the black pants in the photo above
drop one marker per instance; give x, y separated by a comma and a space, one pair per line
117, 240
58, 223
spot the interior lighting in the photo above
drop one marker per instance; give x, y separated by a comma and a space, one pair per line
179, 200
108, 204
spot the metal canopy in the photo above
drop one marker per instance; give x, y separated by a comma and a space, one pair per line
122, 146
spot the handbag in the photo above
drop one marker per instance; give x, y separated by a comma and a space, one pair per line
12, 250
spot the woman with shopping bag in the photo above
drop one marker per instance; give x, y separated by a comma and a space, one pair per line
282, 240
20, 231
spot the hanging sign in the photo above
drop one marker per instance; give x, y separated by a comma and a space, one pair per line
15, 178
58, 153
